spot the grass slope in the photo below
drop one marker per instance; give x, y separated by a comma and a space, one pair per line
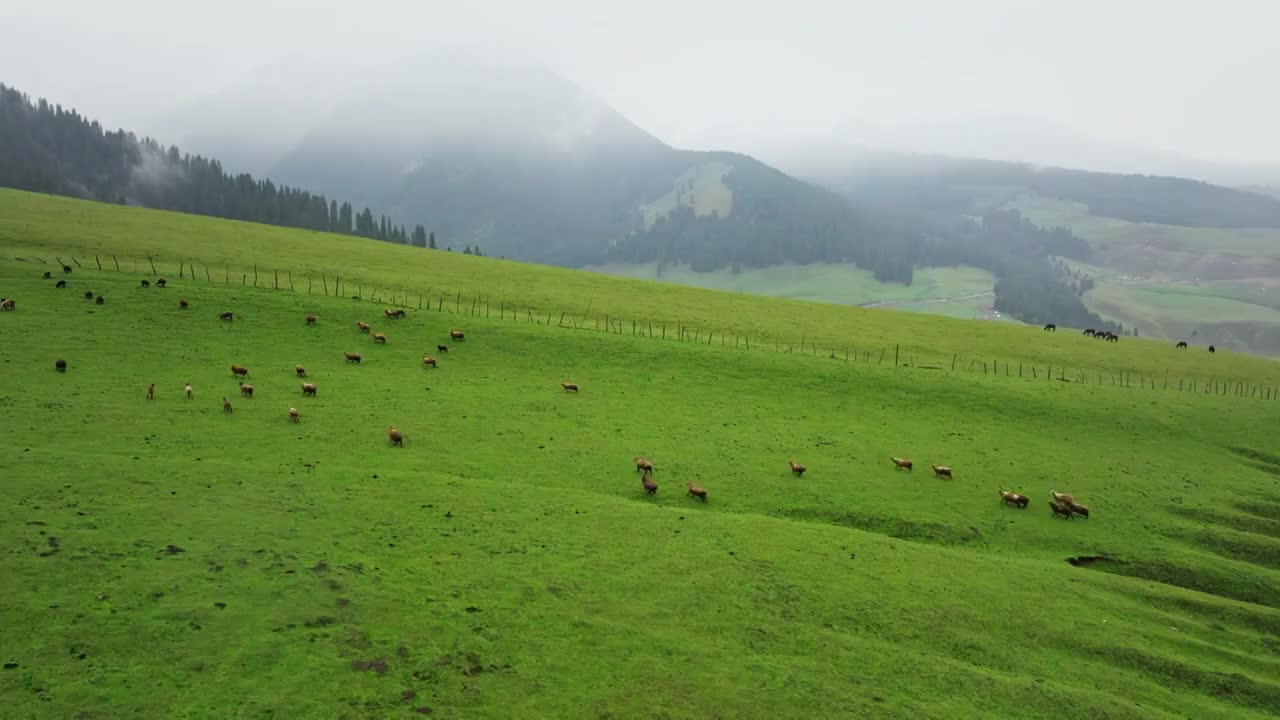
959, 292
164, 559
39, 227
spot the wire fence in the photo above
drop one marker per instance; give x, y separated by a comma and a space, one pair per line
455, 302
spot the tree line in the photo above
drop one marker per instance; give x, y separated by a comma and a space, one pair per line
47, 148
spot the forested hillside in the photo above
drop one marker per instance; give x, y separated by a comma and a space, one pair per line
46, 148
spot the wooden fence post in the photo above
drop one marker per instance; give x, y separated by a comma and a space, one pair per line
277, 279
153, 265
290, 280
206, 274
255, 274
895, 358
95, 259
117, 262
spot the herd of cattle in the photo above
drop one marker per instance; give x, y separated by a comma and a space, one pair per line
1109, 336
1061, 504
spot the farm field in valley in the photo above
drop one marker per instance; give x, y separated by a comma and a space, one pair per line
166, 559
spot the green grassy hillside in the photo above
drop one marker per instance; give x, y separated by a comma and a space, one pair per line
959, 292
165, 559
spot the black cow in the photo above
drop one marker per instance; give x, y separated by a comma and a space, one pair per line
1182, 345
61, 284
1051, 327
1089, 331
146, 283
1211, 349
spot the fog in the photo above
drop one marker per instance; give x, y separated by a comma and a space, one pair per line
1141, 86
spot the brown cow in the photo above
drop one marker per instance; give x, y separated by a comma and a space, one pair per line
352, 357
1079, 509
6, 304
428, 360
643, 464
650, 487
697, 491
901, 463
569, 387
397, 437
457, 335
309, 389
1063, 498
161, 282
240, 371
151, 391
246, 390
796, 468
226, 316
364, 326
294, 415
311, 319
190, 394
1060, 509
1013, 498
941, 471
380, 338
183, 304
389, 313
226, 404
300, 371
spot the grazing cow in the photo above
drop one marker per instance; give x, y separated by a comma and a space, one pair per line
311, 319
6, 304
146, 283
1064, 498
100, 301
569, 387
240, 371
389, 313
352, 357
697, 491
1051, 327
1182, 345
66, 269
643, 464
650, 487
1060, 509
191, 395
1013, 498
1112, 337
60, 365
1211, 348
294, 415
364, 326
226, 404
88, 294
380, 338
941, 471
308, 390
428, 360
442, 348
300, 371
1088, 331
1101, 336
226, 316
901, 463
151, 391
61, 284
48, 275
456, 335
397, 437
1079, 509
183, 304
246, 390
796, 468
161, 282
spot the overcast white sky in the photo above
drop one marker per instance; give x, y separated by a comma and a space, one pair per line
1194, 77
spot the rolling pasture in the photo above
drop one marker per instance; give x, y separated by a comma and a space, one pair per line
164, 558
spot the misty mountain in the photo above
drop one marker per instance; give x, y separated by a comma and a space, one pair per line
515, 159
1005, 137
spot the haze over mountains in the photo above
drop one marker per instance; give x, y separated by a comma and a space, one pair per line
506, 156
